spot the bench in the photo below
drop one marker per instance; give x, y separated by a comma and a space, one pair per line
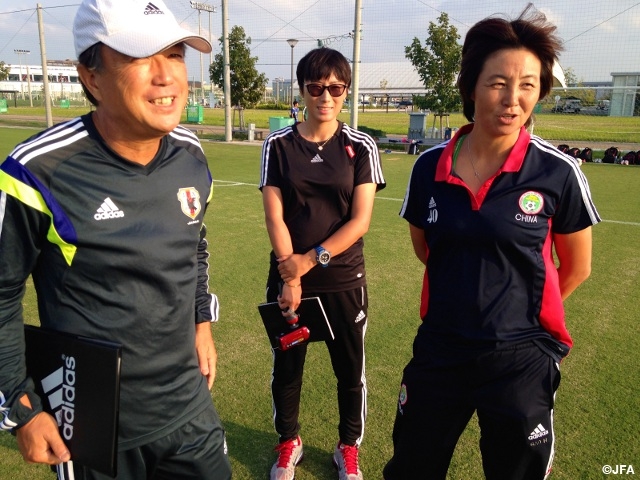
257, 134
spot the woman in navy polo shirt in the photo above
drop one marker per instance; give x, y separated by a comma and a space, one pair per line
486, 210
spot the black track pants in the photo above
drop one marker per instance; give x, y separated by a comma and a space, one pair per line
347, 313
512, 391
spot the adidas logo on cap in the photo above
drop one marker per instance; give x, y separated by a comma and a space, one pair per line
151, 9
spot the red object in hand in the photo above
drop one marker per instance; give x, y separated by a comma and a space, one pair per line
294, 338
291, 317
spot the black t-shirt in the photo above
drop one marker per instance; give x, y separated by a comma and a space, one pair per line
317, 187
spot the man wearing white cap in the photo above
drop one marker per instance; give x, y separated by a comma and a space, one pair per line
106, 212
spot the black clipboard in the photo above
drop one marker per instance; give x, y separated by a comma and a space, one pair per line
311, 314
78, 379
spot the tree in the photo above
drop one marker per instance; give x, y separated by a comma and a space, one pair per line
576, 90
570, 77
4, 71
383, 86
437, 64
247, 85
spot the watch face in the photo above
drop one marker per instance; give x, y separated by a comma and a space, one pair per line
324, 257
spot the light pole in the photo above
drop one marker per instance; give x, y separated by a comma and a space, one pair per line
200, 6
21, 52
29, 87
292, 43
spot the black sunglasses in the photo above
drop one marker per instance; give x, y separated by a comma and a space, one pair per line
335, 90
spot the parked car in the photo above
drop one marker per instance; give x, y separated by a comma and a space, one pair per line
404, 104
570, 106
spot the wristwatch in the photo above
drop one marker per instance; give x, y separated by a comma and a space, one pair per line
322, 256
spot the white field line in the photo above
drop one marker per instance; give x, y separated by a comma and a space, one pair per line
635, 224
228, 183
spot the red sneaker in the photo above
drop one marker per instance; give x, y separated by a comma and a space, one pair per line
289, 455
345, 459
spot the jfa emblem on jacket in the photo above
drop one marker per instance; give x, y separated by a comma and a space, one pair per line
189, 202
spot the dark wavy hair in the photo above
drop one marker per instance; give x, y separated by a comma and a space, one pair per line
530, 31
320, 63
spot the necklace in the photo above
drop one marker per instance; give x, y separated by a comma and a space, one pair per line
320, 147
473, 165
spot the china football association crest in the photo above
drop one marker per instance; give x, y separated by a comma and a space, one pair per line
531, 202
189, 202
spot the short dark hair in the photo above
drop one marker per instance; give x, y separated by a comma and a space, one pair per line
91, 59
530, 31
320, 63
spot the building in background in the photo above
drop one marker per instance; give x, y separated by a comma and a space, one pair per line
625, 101
27, 80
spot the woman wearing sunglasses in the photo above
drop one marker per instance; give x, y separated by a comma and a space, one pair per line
318, 182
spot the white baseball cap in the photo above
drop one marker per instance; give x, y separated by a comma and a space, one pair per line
137, 28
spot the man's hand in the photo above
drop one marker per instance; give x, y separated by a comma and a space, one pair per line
206, 350
40, 442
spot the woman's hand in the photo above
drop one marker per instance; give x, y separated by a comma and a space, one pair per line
290, 296
294, 266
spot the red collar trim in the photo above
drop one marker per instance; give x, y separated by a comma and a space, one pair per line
513, 163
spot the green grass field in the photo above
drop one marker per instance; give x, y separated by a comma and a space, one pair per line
581, 129
597, 410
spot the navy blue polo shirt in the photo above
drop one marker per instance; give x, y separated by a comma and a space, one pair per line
490, 279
